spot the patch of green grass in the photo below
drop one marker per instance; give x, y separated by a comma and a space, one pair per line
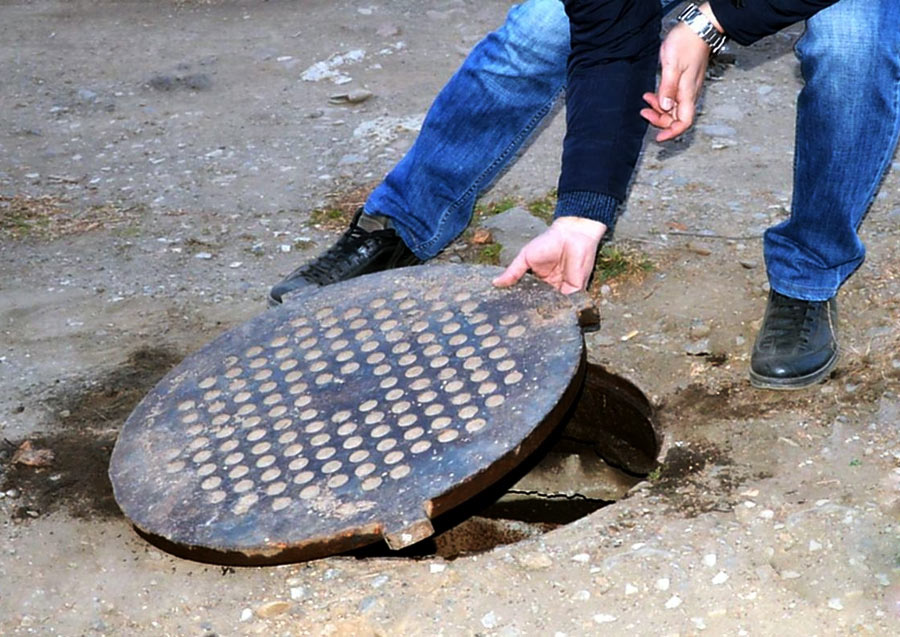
492, 208
489, 254
856, 462
330, 217
615, 261
655, 475
543, 207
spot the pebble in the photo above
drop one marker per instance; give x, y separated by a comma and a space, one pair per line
273, 609
720, 578
597, 339
814, 546
710, 559
583, 558
356, 96
367, 603
581, 596
489, 620
699, 248
835, 603
380, 581
534, 561
203, 255
662, 584
631, 589
437, 568
297, 593
673, 602
749, 264
246, 615
697, 348
699, 329
602, 618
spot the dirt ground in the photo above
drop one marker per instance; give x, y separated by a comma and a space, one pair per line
160, 163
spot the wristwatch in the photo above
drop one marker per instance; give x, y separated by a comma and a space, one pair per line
703, 27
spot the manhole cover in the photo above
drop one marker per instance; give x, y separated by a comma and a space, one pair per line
356, 414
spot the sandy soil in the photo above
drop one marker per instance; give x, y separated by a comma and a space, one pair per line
160, 163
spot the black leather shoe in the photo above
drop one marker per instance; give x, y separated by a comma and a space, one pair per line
368, 245
796, 345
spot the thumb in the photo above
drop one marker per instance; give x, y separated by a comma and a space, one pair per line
515, 271
668, 87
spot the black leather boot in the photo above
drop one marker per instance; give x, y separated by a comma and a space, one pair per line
797, 344
368, 245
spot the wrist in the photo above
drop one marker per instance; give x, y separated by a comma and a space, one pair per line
703, 23
581, 225
706, 9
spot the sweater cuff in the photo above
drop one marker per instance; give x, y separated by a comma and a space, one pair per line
588, 205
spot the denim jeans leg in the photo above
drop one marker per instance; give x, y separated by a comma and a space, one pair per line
848, 118
478, 122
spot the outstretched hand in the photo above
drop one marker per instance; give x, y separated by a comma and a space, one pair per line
683, 57
563, 255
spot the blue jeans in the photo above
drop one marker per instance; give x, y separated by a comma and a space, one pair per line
847, 121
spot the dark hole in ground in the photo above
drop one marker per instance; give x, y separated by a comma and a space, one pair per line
81, 441
606, 445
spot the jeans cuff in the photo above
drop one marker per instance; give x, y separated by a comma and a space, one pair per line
589, 205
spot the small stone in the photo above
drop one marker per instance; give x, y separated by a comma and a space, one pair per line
581, 596
234, 265
297, 593
710, 559
767, 514
482, 236
285, 247
28, 455
380, 581
662, 584
203, 255
790, 575
835, 603
534, 561
582, 558
602, 618
749, 264
367, 603
699, 248
699, 329
631, 589
356, 96
814, 546
720, 578
673, 602
246, 615
437, 568
273, 609
489, 620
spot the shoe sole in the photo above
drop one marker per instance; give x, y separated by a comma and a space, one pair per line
799, 382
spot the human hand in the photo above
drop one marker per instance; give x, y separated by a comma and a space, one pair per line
563, 255
683, 57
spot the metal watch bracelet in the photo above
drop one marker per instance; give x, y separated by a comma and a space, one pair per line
703, 27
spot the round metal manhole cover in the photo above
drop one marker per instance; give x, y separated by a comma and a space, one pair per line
357, 413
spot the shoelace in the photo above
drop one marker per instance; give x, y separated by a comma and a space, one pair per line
788, 317
345, 254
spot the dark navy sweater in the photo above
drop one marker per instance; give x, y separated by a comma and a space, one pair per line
615, 45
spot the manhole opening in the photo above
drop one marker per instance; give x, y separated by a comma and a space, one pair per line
606, 444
